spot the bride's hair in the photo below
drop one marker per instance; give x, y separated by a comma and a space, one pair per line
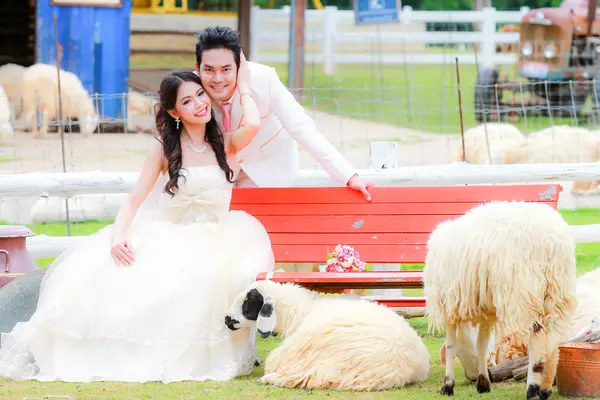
169, 134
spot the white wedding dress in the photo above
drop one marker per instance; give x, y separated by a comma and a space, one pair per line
162, 318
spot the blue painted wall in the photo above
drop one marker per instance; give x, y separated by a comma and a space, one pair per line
95, 43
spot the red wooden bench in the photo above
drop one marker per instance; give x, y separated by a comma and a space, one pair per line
304, 224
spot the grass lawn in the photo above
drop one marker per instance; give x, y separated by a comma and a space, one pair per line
248, 388
421, 97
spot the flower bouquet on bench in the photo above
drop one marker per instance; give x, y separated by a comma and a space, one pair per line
344, 258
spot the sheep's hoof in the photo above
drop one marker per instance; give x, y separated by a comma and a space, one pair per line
448, 388
483, 384
545, 394
270, 379
256, 362
533, 392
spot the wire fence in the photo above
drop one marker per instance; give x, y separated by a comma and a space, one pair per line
542, 122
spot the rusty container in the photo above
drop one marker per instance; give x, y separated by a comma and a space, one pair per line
578, 370
14, 257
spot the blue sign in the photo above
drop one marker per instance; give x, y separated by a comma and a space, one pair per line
376, 11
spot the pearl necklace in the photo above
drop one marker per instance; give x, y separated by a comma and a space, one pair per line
195, 149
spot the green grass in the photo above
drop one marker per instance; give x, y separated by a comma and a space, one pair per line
248, 388
421, 97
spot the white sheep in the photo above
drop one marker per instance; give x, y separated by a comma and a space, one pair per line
585, 320
331, 342
562, 144
504, 140
11, 77
507, 266
40, 92
7, 133
140, 113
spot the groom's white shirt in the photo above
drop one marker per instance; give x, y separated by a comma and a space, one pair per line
272, 158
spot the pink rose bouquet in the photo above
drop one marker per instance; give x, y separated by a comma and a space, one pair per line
344, 259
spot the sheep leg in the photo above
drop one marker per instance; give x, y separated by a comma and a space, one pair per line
549, 375
271, 379
537, 362
551, 365
42, 131
448, 388
483, 341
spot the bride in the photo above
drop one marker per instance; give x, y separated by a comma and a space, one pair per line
145, 299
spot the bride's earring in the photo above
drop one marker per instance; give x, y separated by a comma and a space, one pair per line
177, 123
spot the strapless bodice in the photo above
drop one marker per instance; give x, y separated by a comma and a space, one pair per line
204, 195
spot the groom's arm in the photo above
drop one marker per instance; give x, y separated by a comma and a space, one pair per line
302, 128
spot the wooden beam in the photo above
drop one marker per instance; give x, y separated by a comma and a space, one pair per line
244, 8
296, 67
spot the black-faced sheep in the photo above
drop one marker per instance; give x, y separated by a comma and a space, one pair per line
507, 266
330, 342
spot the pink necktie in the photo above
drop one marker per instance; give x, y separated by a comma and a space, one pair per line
226, 107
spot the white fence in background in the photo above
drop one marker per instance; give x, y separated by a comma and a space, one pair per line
345, 43
332, 36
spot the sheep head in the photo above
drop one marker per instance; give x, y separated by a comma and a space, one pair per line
269, 306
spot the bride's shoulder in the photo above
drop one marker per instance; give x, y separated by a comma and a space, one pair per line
157, 154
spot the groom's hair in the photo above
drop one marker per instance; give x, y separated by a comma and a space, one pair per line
218, 37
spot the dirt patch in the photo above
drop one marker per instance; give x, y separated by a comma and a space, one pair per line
126, 152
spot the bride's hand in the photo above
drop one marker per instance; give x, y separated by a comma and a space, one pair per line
243, 74
122, 253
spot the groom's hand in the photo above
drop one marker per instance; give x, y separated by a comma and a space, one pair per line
359, 185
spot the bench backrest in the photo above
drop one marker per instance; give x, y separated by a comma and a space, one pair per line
305, 224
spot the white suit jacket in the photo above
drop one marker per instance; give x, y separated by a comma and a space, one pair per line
272, 158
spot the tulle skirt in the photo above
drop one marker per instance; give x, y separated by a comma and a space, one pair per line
160, 319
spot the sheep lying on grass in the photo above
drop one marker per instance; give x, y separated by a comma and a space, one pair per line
332, 342
507, 266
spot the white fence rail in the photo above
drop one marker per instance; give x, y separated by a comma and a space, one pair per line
342, 42
68, 185
65, 185
332, 36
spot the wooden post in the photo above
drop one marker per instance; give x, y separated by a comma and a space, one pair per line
296, 58
244, 9
383, 155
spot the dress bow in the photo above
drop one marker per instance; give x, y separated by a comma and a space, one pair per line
207, 206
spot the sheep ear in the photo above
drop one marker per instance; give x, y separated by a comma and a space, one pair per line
265, 323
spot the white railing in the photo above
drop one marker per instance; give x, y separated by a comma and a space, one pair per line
68, 185
383, 172
332, 36
340, 41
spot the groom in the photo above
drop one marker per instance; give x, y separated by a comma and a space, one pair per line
272, 158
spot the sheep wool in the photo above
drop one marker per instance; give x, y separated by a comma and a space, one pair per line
506, 266
504, 140
40, 85
7, 133
336, 342
586, 318
11, 77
